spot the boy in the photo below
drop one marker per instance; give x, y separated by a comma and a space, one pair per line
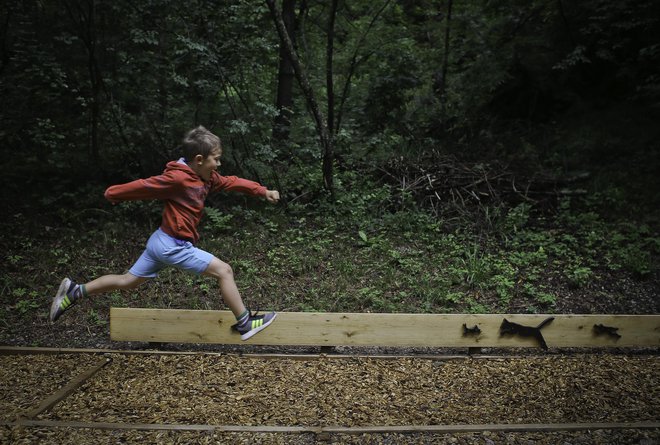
183, 187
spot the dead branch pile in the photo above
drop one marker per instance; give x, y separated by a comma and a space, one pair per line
446, 185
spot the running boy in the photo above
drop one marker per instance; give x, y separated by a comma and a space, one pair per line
183, 187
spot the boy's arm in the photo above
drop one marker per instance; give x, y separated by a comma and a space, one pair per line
236, 184
155, 187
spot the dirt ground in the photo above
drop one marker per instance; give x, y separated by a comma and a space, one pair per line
231, 389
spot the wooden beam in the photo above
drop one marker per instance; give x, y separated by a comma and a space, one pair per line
397, 330
540, 427
30, 350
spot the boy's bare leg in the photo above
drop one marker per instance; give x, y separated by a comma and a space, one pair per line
247, 324
109, 283
70, 293
225, 275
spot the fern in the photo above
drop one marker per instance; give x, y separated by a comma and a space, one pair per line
219, 221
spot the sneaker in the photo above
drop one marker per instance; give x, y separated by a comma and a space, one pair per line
254, 324
62, 301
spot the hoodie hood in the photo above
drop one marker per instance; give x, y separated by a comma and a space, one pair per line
181, 166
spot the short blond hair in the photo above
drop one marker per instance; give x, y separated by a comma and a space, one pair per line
200, 141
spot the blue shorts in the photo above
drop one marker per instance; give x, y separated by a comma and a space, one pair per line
163, 250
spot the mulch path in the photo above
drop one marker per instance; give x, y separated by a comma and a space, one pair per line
70, 436
325, 391
26, 380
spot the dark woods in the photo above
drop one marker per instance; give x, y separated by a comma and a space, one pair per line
451, 103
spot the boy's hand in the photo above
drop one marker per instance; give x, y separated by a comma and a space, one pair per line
273, 196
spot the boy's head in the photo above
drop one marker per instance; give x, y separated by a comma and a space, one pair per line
200, 141
202, 151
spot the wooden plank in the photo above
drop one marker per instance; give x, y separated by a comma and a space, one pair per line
29, 350
398, 330
465, 428
506, 427
164, 426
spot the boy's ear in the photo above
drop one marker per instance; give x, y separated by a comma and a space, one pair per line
198, 159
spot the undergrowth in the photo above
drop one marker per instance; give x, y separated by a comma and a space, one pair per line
358, 254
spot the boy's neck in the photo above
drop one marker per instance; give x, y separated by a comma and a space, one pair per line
192, 166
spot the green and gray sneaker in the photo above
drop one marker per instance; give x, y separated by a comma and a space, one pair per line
253, 324
67, 295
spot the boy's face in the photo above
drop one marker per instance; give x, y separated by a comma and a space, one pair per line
205, 167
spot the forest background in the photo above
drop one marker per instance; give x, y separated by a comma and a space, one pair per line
432, 156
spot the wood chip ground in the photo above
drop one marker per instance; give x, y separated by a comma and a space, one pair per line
25, 380
348, 392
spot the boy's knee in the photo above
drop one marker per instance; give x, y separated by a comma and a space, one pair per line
130, 281
226, 271
220, 270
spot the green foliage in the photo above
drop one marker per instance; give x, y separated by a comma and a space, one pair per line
26, 300
218, 220
578, 275
517, 218
636, 261
363, 236
474, 267
95, 318
118, 87
616, 37
14, 259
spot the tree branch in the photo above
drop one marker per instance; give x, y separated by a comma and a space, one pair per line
303, 81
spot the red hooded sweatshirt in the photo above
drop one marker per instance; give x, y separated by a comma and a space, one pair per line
184, 193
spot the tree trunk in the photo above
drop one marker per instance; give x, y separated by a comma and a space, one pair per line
441, 78
328, 67
565, 20
95, 83
354, 63
87, 33
301, 75
285, 78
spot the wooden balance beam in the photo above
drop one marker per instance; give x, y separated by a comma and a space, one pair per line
397, 330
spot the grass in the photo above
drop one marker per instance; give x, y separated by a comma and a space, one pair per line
363, 264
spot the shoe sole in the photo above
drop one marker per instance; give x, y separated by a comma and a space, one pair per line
249, 334
57, 301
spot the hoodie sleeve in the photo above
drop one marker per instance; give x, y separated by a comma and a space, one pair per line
155, 187
236, 184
